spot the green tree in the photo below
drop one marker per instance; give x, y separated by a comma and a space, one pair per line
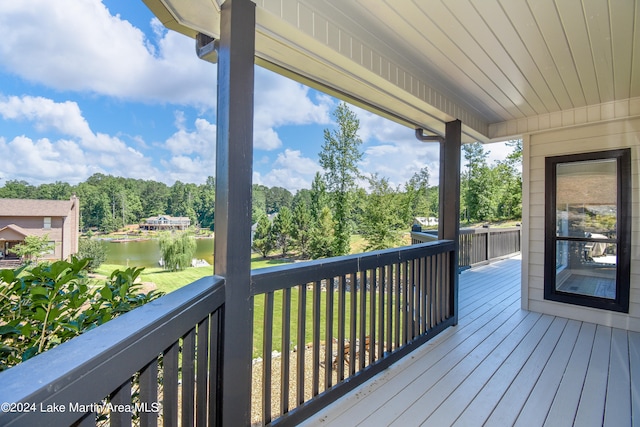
276, 198
302, 196
478, 184
302, 228
93, 250
382, 217
283, 230
321, 243
15, 189
205, 203
154, 198
319, 197
258, 202
339, 158
416, 201
263, 241
181, 200
33, 247
177, 250
94, 205
56, 191
509, 178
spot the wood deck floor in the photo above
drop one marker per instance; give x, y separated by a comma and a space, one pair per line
503, 366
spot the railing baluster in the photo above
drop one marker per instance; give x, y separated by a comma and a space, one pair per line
405, 302
447, 283
315, 350
398, 297
121, 396
149, 394
216, 340
381, 310
302, 316
353, 319
188, 373
202, 357
372, 315
438, 287
413, 300
423, 295
430, 292
170, 385
342, 293
363, 319
267, 348
328, 339
390, 303
441, 289
286, 345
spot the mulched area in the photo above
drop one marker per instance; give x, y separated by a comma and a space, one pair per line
276, 376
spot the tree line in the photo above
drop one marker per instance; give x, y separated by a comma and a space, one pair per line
315, 222
107, 203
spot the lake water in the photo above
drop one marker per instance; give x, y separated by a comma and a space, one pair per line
146, 253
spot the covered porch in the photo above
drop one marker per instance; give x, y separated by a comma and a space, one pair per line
536, 70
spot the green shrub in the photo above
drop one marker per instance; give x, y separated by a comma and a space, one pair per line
52, 303
93, 249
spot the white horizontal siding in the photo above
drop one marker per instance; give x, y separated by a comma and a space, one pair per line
597, 137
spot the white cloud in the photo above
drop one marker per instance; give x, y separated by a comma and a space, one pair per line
62, 117
279, 102
201, 141
266, 138
75, 156
290, 170
80, 46
187, 169
293, 160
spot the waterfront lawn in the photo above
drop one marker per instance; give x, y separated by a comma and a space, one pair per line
168, 281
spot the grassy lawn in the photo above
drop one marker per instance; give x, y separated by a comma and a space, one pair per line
168, 281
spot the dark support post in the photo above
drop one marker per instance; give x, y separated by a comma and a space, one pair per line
449, 216
234, 158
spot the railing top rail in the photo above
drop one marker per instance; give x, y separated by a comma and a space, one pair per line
486, 230
93, 364
281, 277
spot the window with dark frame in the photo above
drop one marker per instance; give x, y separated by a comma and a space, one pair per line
588, 228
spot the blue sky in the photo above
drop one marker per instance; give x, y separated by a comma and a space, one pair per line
90, 86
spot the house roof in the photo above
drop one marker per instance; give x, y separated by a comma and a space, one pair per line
34, 207
503, 68
12, 232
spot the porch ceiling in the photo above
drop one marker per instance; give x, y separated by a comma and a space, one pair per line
503, 67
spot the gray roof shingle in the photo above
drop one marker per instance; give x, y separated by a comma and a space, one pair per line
34, 207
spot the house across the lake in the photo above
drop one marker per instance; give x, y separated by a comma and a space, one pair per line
166, 222
59, 220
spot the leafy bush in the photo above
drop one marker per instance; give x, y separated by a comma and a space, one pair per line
93, 249
52, 303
